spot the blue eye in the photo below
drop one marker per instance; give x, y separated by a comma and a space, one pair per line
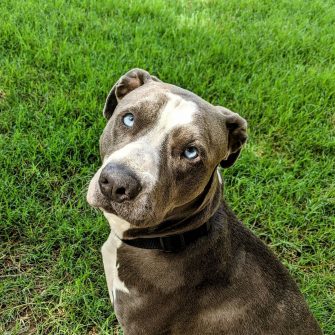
191, 153
128, 120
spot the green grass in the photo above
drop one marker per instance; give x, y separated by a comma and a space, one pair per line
271, 61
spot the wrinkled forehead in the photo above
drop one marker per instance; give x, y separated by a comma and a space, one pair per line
169, 107
164, 114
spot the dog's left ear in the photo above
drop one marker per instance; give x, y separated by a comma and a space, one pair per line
237, 135
127, 83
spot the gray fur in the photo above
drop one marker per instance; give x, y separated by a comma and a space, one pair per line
228, 282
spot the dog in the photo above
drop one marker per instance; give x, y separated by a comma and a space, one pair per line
177, 260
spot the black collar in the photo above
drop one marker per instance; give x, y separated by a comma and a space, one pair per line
170, 243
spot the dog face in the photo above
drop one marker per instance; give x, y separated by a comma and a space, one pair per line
159, 149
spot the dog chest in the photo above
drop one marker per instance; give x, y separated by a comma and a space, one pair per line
111, 267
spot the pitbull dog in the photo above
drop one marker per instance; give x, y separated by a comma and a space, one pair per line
177, 260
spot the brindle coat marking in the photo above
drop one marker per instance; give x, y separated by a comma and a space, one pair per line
228, 282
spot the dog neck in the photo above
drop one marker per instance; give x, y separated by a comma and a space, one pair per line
192, 216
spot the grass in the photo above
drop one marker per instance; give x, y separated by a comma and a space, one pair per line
271, 61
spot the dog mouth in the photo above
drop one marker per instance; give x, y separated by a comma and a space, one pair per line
138, 211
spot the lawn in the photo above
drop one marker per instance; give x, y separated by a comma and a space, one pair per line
270, 61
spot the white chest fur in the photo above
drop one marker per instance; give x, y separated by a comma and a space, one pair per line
111, 266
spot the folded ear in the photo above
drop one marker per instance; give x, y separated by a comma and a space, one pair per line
127, 83
236, 134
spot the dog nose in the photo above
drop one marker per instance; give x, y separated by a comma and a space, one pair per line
118, 183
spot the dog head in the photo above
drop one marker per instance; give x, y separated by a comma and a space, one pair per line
159, 149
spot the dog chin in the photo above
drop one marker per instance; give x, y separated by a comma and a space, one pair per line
138, 213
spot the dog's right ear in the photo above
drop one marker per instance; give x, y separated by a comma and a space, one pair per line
127, 83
